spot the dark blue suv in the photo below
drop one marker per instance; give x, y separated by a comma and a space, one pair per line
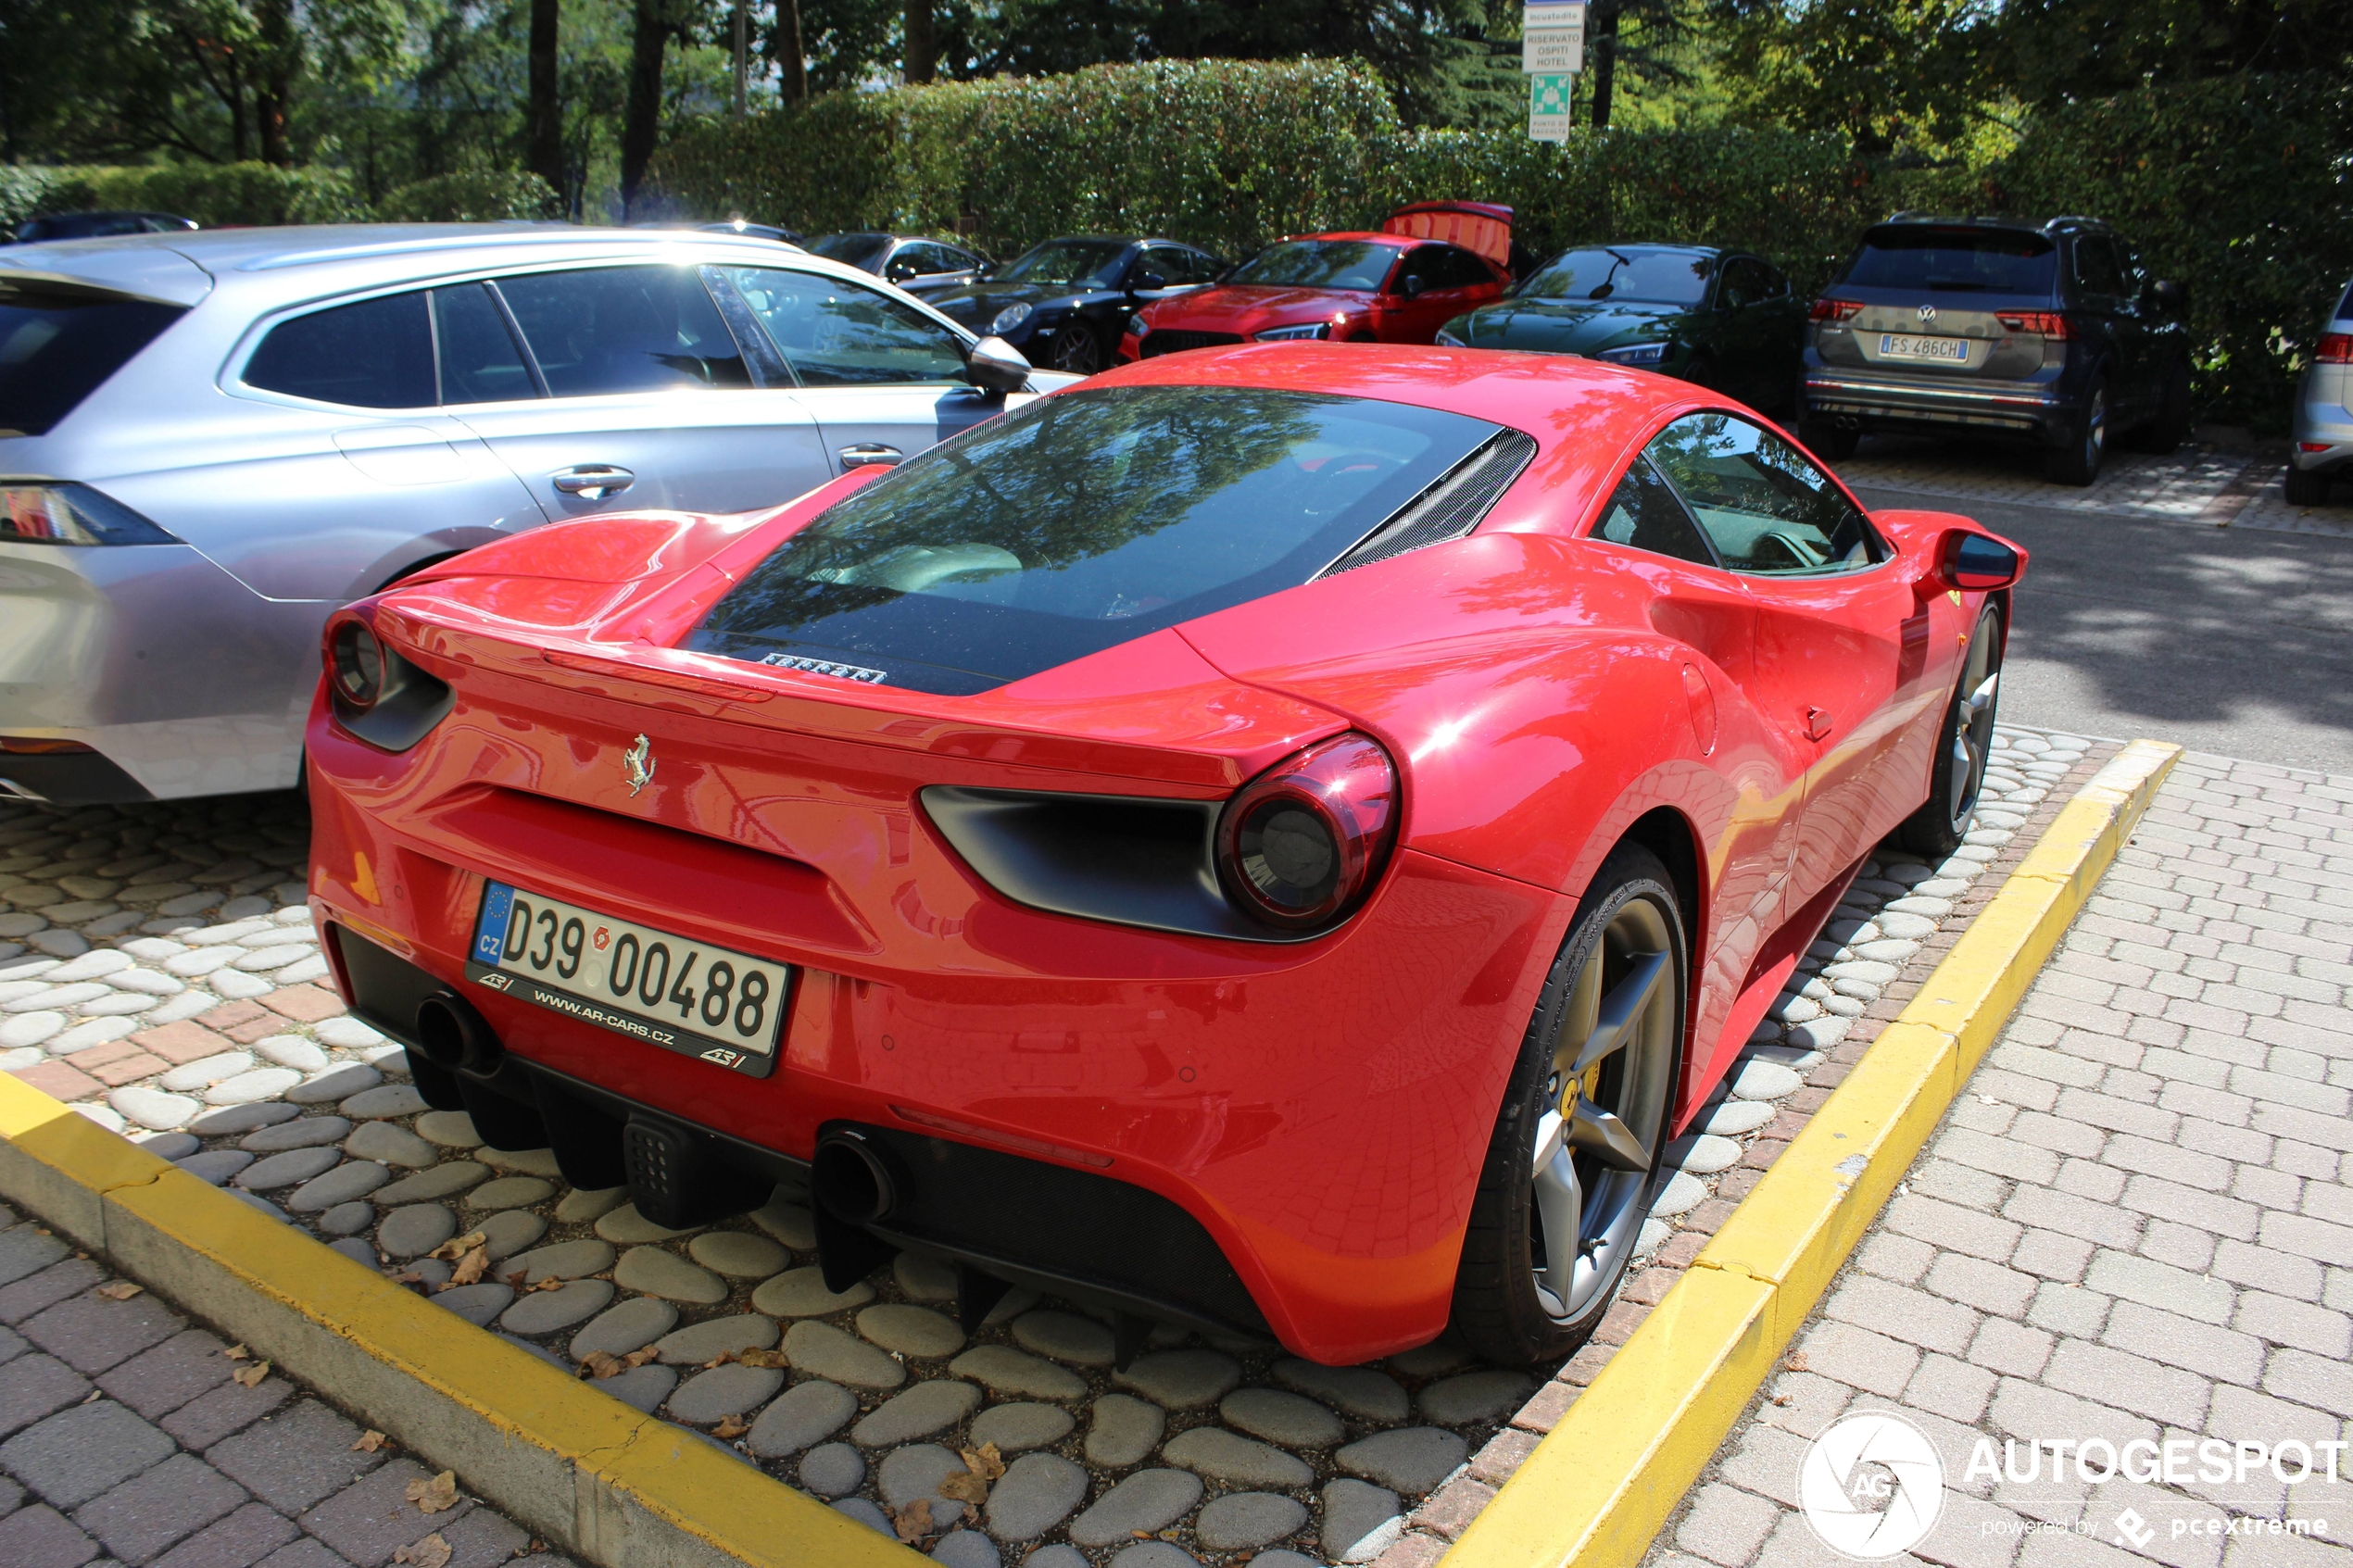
2048, 332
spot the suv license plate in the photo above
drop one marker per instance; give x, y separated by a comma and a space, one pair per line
704, 1002
1895, 346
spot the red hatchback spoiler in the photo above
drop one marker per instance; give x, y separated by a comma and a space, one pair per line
1482, 227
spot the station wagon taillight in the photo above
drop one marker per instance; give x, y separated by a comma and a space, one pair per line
1834, 309
2336, 348
2049, 323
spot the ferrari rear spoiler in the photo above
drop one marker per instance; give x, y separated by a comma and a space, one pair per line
1482, 227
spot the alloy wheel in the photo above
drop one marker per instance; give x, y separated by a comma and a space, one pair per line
1972, 742
1605, 1106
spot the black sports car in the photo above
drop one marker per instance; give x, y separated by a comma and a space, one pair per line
915, 263
1064, 302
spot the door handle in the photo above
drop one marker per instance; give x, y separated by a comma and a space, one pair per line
1818, 723
870, 454
592, 481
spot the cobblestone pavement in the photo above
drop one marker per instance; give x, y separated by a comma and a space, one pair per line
204, 1033
128, 1436
2207, 486
2135, 1223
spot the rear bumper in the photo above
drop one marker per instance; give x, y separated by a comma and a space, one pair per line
2329, 426
180, 678
1151, 1123
1883, 401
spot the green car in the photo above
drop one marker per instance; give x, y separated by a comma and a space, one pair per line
1722, 319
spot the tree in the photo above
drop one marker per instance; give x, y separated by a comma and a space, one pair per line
657, 24
2052, 51
923, 51
1880, 72
547, 121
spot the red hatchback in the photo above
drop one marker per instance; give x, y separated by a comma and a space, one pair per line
1427, 263
1272, 839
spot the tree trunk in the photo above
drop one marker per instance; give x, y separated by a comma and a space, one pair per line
791, 53
921, 48
641, 122
545, 118
1601, 51
273, 90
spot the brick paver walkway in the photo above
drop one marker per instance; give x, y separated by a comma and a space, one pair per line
126, 1436
2135, 1223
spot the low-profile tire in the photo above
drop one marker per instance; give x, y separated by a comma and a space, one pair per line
1828, 440
2306, 487
2169, 426
1963, 745
2077, 459
1609, 1020
1076, 350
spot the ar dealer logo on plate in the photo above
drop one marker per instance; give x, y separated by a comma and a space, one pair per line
1871, 1484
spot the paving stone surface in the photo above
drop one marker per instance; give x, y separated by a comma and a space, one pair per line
168, 1461
2135, 1223
883, 1369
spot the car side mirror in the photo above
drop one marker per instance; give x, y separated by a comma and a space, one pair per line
1976, 562
2167, 294
1149, 280
993, 365
1412, 287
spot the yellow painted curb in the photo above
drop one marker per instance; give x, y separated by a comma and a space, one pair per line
611, 1487
1596, 1490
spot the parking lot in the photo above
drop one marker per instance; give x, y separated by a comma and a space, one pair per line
210, 1039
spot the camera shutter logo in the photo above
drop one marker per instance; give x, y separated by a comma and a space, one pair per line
1871, 1486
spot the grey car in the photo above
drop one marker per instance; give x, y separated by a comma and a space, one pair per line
2324, 413
218, 438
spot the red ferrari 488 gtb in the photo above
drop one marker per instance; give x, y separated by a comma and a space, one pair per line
1267, 839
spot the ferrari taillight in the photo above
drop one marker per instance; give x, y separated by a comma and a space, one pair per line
1302, 843
2048, 323
1827, 310
2336, 349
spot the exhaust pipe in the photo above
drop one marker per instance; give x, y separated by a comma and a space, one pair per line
851, 1179
456, 1038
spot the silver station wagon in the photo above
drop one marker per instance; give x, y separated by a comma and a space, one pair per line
210, 440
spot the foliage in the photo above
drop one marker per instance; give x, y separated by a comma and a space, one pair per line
213, 194
2054, 51
472, 197
1824, 66
2241, 188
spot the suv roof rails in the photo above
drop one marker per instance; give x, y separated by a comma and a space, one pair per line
2073, 220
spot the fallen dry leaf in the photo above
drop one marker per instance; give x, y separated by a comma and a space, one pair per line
731, 1428
965, 1486
719, 1360
551, 1283
1143, 1535
640, 1358
236, 1352
431, 1552
432, 1496
457, 1247
1795, 1362
774, 1359
121, 1290
912, 1523
369, 1441
251, 1376
470, 1267
986, 1463
599, 1363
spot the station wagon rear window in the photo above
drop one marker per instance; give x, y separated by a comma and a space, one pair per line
1079, 522
56, 347
1976, 260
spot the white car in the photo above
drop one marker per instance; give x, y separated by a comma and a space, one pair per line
2324, 413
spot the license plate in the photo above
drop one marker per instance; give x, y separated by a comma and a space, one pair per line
1895, 346
708, 1002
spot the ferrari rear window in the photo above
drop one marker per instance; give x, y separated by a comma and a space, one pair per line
1976, 260
1079, 522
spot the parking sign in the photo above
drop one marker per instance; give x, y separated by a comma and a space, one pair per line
1552, 39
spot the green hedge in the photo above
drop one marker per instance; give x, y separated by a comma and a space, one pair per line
212, 193
472, 197
2237, 187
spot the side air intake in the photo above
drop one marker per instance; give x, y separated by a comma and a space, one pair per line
1448, 509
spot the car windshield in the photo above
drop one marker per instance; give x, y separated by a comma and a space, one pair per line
1079, 522
1319, 264
1976, 260
1648, 277
851, 250
1066, 262
56, 347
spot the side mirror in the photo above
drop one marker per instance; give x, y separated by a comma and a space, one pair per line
1149, 280
1412, 286
997, 366
2169, 294
1976, 562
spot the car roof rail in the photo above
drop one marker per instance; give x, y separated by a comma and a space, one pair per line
2073, 219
